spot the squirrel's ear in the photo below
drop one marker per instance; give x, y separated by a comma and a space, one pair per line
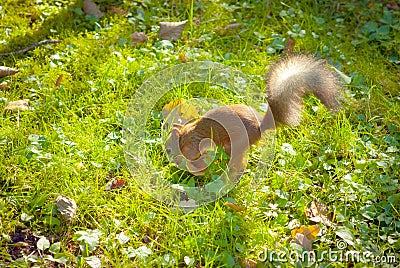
176, 130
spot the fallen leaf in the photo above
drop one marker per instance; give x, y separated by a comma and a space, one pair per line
80, 166
4, 85
232, 26
249, 263
59, 79
235, 207
7, 71
393, 6
93, 261
183, 109
303, 241
90, 8
139, 37
289, 45
115, 184
178, 112
171, 30
319, 213
118, 10
18, 105
305, 235
67, 207
311, 232
182, 58
294, 224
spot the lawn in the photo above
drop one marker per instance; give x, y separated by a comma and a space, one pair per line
330, 198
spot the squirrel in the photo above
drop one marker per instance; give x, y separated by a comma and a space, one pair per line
236, 127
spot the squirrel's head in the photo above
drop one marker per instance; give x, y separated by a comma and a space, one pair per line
183, 141
186, 147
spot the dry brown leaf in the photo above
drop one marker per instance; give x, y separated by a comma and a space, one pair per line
115, 184
90, 8
294, 224
67, 207
80, 166
118, 10
7, 71
184, 110
232, 26
59, 79
4, 85
171, 30
305, 235
21, 244
311, 232
139, 37
18, 105
249, 263
319, 213
393, 6
178, 112
235, 207
182, 58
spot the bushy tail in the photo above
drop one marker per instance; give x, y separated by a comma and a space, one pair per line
289, 80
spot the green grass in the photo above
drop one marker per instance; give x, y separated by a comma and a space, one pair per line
71, 142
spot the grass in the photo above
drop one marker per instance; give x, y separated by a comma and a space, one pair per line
71, 142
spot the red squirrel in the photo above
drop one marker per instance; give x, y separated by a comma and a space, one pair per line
236, 127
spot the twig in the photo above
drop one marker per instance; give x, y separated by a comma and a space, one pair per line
43, 42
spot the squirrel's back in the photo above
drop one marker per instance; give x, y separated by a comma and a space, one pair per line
290, 79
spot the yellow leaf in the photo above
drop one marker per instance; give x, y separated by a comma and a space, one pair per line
183, 110
311, 232
171, 30
318, 212
139, 37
